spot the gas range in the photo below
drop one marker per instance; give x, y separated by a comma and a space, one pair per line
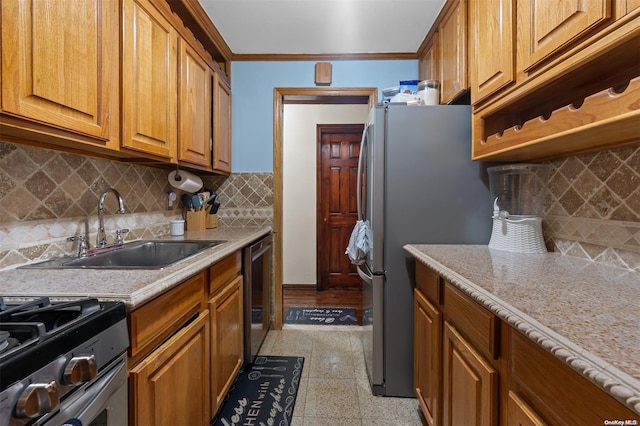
52, 352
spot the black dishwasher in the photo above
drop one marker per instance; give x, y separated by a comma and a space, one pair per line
257, 295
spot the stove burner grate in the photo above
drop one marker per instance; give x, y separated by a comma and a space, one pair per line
26, 324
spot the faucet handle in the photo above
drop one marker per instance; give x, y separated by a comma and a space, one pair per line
83, 246
119, 235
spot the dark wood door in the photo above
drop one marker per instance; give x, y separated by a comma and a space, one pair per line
339, 148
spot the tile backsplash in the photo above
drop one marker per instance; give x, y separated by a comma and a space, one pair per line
47, 196
592, 207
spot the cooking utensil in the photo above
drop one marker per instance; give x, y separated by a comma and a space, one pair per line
186, 201
215, 208
279, 368
197, 204
263, 360
210, 199
255, 375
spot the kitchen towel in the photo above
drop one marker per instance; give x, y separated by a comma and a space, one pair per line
359, 243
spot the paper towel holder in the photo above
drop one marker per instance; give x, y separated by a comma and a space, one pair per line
177, 176
187, 182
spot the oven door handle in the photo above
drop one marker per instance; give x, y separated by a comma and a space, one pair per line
91, 399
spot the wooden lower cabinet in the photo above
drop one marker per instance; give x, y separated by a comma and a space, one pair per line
227, 338
170, 386
187, 346
428, 361
555, 392
519, 413
470, 383
227, 325
472, 369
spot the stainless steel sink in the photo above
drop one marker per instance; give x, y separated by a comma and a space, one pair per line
134, 255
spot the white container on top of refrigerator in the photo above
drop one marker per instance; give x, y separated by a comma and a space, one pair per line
416, 185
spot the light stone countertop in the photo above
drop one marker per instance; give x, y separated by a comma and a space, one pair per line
586, 314
133, 286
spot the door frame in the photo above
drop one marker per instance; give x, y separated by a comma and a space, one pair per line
307, 95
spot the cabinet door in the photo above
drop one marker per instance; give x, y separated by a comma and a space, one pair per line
60, 63
227, 350
427, 357
470, 383
149, 81
624, 7
194, 139
428, 63
491, 46
519, 413
222, 126
453, 52
167, 387
545, 27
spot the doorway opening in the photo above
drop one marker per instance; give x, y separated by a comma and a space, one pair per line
282, 96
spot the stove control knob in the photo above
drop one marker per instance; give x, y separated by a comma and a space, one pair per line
37, 399
79, 370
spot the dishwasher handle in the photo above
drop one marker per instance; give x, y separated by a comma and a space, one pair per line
257, 249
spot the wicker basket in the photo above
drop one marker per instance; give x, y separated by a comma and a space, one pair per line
518, 234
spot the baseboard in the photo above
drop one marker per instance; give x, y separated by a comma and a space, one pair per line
294, 287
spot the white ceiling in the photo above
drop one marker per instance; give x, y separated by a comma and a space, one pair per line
323, 26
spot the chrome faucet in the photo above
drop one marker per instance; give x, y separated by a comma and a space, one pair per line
101, 239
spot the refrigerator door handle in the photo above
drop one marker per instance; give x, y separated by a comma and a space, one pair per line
365, 277
359, 179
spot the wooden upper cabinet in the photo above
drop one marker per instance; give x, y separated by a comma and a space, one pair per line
149, 81
428, 63
544, 27
60, 64
194, 137
491, 46
221, 125
453, 52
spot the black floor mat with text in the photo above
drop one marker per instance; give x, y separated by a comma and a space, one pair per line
264, 393
321, 315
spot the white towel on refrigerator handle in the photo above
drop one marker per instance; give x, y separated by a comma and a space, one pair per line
359, 243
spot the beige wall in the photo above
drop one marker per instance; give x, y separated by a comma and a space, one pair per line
299, 183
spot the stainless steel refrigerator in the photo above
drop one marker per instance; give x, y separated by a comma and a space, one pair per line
416, 185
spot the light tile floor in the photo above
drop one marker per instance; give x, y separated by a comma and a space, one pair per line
334, 389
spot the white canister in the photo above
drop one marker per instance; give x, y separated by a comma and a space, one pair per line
177, 227
429, 92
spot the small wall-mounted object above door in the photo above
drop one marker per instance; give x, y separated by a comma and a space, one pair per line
323, 74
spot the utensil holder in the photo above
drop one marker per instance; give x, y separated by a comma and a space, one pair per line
212, 221
196, 220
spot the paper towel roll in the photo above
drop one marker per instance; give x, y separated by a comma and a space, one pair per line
185, 181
